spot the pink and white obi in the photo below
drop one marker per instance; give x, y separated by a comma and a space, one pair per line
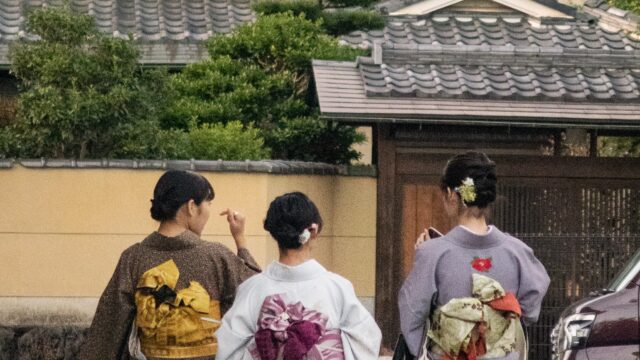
291, 332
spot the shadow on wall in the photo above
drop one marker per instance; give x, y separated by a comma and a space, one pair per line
42, 343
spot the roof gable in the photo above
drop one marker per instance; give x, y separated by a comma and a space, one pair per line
528, 7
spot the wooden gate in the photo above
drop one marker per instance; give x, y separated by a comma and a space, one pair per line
580, 215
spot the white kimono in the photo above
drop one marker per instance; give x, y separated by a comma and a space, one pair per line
317, 289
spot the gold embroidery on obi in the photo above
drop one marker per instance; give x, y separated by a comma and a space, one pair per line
174, 324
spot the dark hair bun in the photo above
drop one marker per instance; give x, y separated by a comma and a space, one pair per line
163, 210
288, 216
175, 188
480, 168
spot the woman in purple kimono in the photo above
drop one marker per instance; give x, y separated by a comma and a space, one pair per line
476, 272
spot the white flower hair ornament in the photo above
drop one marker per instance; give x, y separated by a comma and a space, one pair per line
467, 191
306, 234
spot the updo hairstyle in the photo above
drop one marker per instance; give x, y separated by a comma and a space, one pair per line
288, 216
174, 189
477, 166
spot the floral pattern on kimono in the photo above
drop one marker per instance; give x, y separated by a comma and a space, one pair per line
487, 324
292, 332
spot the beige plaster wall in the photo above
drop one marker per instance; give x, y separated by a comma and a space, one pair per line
62, 230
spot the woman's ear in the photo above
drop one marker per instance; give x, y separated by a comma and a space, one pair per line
192, 208
451, 197
313, 229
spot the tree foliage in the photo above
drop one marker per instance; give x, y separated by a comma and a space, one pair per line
260, 75
631, 5
313, 139
334, 21
618, 146
84, 95
232, 141
222, 90
281, 43
80, 90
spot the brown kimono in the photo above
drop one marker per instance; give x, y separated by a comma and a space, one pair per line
170, 279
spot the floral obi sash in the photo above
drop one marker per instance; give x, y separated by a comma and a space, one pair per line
174, 324
291, 332
487, 324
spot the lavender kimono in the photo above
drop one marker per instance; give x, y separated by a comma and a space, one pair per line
445, 265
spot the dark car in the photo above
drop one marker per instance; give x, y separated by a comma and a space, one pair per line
603, 326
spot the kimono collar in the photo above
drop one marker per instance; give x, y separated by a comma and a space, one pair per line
308, 270
186, 240
465, 238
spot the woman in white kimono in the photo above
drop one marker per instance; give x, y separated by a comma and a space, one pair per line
296, 309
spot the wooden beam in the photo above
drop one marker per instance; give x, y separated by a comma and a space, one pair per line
565, 167
388, 268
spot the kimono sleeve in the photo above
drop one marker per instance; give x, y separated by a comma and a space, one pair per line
234, 269
107, 338
534, 282
361, 336
414, 300
238, 327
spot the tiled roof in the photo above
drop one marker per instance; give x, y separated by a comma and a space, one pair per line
499, 58
480, 30
260, 166
487, 69
342, 96
548, 8
501, 82
169, 30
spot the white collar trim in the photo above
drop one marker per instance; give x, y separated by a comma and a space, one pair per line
306, 271
474, 233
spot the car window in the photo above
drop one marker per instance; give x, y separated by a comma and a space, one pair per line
627, 274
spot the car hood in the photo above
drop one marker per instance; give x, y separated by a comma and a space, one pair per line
596, 303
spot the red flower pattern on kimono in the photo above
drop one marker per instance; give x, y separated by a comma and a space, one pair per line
481, 264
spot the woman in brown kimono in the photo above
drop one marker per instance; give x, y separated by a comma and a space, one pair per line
168, 292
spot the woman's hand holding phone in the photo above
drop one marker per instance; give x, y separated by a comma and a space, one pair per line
430, 233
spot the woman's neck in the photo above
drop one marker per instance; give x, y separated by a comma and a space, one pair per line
476, 224
171, 228
293, 257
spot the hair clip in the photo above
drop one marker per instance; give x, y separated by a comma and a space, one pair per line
306, 234
467, 191
304, 237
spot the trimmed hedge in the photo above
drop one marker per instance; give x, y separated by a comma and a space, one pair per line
335, 22
310, 8
343, 22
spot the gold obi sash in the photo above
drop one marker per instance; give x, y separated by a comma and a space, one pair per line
175, 324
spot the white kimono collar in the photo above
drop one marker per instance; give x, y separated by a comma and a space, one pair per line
306, 271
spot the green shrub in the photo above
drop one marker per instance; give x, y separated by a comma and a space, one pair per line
282, 42
334, 22
229, 142
79, 88
310, 8
8, 147
343, 22
614, 146
313, 139
146, 140
631, 5
222, 90
349, 3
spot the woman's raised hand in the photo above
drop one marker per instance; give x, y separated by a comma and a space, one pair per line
236, 226
424, 236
